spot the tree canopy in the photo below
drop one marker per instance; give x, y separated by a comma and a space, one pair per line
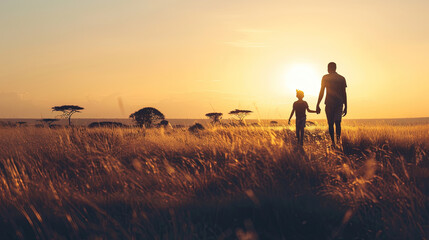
67, 108
240, 114
215, 116
147, 116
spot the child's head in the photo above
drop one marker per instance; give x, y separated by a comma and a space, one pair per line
299, 94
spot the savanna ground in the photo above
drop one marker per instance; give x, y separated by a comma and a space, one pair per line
220, 183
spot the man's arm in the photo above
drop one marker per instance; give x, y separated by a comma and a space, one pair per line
345, 103
291, 115
321, 93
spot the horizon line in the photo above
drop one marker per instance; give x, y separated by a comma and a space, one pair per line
388, 118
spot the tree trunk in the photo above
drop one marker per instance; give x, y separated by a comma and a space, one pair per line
70, 121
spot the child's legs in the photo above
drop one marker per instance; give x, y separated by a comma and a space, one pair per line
300, 125
300, 133
338, 129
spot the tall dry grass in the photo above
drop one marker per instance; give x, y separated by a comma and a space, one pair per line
221, 183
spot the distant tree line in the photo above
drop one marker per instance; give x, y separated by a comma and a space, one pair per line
146, 117
150, 117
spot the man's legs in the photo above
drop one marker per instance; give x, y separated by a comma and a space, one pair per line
334, 114
331, 132
338, 130
337, 119
297, 131
330, 110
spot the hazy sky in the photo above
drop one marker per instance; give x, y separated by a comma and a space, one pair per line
187, 58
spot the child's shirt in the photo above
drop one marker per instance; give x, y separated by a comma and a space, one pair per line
300, 108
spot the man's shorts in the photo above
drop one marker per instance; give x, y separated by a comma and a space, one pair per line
334, 112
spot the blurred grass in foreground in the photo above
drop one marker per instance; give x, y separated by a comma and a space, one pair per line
222, 183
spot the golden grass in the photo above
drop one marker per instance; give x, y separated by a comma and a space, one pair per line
219, 183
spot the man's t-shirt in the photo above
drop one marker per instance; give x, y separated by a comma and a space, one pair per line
300, 108
335, 88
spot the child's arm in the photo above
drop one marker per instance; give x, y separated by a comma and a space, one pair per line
310, 111
291, 115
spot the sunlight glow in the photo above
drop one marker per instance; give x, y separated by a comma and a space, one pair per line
303, 77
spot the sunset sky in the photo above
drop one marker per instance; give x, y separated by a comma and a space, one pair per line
187, 58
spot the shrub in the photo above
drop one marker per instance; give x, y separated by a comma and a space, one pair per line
147, 116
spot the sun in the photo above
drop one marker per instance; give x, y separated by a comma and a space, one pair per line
302, 76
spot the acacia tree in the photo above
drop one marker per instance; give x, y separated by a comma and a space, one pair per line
214, 116
147, 116
67, 111
240, 114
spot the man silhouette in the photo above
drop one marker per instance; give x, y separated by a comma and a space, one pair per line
336, 97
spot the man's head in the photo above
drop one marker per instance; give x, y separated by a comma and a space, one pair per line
332, 67
299, 94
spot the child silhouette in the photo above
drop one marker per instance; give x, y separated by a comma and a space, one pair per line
300, 107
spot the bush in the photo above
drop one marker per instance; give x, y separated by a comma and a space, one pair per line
106, 124
147, 116
196, 128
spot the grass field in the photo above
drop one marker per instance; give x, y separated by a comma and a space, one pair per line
221, 183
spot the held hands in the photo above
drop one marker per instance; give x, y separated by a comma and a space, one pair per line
318, 109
